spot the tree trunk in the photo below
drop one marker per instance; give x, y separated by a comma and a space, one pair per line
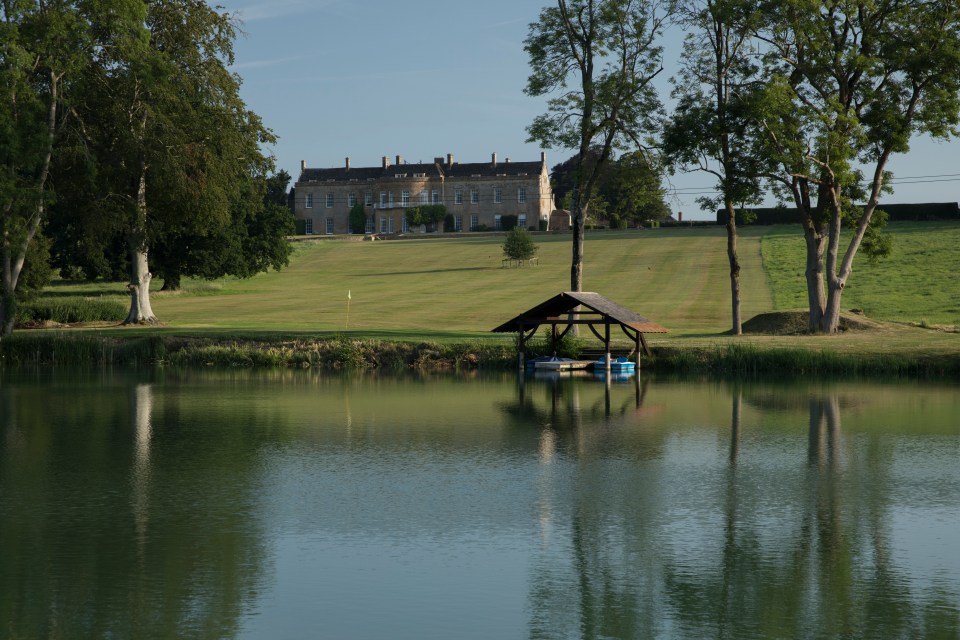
816, 298
140, 310
14, 252
737, 328
576, 265
171, 281
8, 301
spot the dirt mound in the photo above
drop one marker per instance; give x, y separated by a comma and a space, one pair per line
795, 322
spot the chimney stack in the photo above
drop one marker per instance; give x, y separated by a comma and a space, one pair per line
507, 160
543, 157
449, 159
679, 216
348, 162
386, 162
303, 166
493, 159
399, 160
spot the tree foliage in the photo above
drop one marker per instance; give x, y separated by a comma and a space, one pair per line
850, 84
168, 157
44, 47
358, 218
426, 214
519, 245
629, 189
597, 59
716, 124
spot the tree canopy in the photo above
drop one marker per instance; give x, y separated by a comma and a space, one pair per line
849, 84
519, 245
166, 159
629, 189
44, 48
716, 124
597, 59
425, 214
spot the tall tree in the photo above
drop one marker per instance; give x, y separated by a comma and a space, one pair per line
851, 82
252, 241
714, 127
628, 188
43, 45
173, 142
599, 57
633, 189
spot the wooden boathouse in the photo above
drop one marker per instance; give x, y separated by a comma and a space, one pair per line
575, 308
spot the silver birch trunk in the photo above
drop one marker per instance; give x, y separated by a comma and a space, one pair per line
140, 310
14, 251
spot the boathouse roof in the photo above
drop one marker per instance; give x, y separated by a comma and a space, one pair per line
552, 311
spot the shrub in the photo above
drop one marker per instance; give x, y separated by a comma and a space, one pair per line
425, 214
301, 227
508, 222
71, 310
519, 245
358, 219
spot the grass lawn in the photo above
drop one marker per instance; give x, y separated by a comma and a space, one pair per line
916, 283
453, 288
457, 285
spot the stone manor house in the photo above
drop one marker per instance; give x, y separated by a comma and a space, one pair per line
477, 194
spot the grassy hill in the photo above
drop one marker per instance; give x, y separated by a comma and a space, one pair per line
917, 283
455, 287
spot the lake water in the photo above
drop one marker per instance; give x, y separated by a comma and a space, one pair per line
296, 505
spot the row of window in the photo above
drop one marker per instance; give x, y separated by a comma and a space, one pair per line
386, 224
431, 197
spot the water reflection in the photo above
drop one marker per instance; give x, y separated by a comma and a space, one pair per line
118, 520
273, 505
807, 558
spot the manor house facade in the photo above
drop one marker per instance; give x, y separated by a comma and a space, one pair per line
477, 194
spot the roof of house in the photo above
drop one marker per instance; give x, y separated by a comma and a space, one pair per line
488, 169
431, 170
552, 310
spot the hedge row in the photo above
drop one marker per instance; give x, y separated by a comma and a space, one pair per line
898, 212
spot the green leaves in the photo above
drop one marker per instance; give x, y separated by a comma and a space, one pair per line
425, 214
519, 245
599, 57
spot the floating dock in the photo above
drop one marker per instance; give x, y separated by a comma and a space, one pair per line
563, 365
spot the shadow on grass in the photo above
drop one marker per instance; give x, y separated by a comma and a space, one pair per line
417, 273
218, 333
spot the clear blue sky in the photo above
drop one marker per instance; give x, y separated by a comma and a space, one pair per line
423, 78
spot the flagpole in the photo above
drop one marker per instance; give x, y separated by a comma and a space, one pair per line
348, 308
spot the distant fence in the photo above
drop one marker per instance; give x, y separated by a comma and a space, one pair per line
899, 212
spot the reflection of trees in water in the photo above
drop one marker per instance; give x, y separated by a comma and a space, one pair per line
832, 577
119, 521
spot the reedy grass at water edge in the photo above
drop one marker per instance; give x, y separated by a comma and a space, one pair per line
345, 353
330, 354
749, 360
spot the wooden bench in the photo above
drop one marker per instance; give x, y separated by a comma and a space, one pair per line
510, 262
